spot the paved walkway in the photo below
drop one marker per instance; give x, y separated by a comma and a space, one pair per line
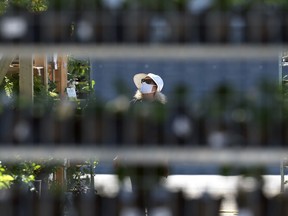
196, 185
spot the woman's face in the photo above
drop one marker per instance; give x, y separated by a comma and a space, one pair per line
148, 81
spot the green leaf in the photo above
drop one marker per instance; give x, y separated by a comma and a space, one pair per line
37, 167
6, 178
92, 83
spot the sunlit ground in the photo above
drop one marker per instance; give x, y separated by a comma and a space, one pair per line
196, 185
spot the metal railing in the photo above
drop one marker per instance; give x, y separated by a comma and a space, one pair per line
252, 132
144, 27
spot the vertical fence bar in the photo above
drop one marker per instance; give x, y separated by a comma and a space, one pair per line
26, 78
282, 173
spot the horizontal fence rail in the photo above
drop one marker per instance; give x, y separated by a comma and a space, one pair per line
157, 52
151, 155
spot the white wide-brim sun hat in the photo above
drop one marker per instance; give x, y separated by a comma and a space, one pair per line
157, 79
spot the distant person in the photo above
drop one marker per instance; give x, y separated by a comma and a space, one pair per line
149, 88
148, 96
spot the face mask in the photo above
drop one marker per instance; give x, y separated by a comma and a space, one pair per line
146, 88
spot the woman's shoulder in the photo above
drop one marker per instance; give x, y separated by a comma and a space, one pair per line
135, 101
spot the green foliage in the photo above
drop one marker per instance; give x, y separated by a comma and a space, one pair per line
156, 5
29, 5
88, 165
152, 5
285, 95
42, 96
20, 3
10, 85
38, 5
79, 76
3, 6
5, 179
76, 171
25, 171
78, 68
285, 85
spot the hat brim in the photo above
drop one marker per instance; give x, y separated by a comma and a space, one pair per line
137, 79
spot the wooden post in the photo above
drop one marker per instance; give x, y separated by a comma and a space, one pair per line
61, 75
59, 176
40, 62
61, 81
26, 85
5, 62
45, 73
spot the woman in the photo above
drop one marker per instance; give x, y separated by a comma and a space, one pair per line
147, 107
149, 88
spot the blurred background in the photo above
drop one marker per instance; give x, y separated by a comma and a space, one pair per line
145, 21
66, 75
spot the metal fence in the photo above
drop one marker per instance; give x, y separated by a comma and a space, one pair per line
265, 26
235, 131
225, 128
17, 201
240, 122
143, 140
